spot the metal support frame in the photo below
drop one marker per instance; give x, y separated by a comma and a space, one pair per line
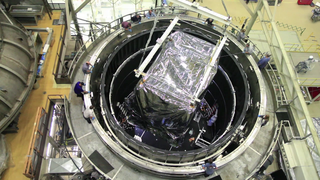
9, 104
315, 98
70, 11
246, 7
82, 6
214, 56
48, 8
201, 142
156, 47
253, 17
204, 11
92, 34
286, 71
6, 16
14, 72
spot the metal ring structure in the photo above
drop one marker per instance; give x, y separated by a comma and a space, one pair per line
139, 154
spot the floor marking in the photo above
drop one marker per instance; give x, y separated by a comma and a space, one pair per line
85, 135
117, 171
255, 150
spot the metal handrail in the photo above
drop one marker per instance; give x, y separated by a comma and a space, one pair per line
259, 54
115, 25
283, 98
58, 51
34, 150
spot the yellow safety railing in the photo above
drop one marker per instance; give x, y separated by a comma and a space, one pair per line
313, 82
302, 47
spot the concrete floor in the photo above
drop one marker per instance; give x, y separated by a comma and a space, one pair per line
288, 12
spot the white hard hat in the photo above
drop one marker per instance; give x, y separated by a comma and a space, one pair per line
310, 57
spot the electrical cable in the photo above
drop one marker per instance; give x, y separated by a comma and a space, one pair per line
225, 8
150, 36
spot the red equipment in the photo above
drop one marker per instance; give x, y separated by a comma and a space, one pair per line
314, 91
304, 2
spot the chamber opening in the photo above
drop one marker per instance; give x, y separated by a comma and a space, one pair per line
230, 115
217, 102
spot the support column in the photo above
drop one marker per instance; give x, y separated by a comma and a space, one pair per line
71, 15
254, 17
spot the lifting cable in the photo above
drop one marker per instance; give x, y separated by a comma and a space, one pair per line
150, 36
225, 8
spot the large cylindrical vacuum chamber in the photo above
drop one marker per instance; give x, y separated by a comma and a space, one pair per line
235, 88
17, 68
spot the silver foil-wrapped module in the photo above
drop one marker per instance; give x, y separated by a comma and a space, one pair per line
163, 100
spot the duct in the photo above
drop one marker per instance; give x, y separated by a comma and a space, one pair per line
49, 30
46, 46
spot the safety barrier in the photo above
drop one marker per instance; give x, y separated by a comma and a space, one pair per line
38, 138
34, 155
